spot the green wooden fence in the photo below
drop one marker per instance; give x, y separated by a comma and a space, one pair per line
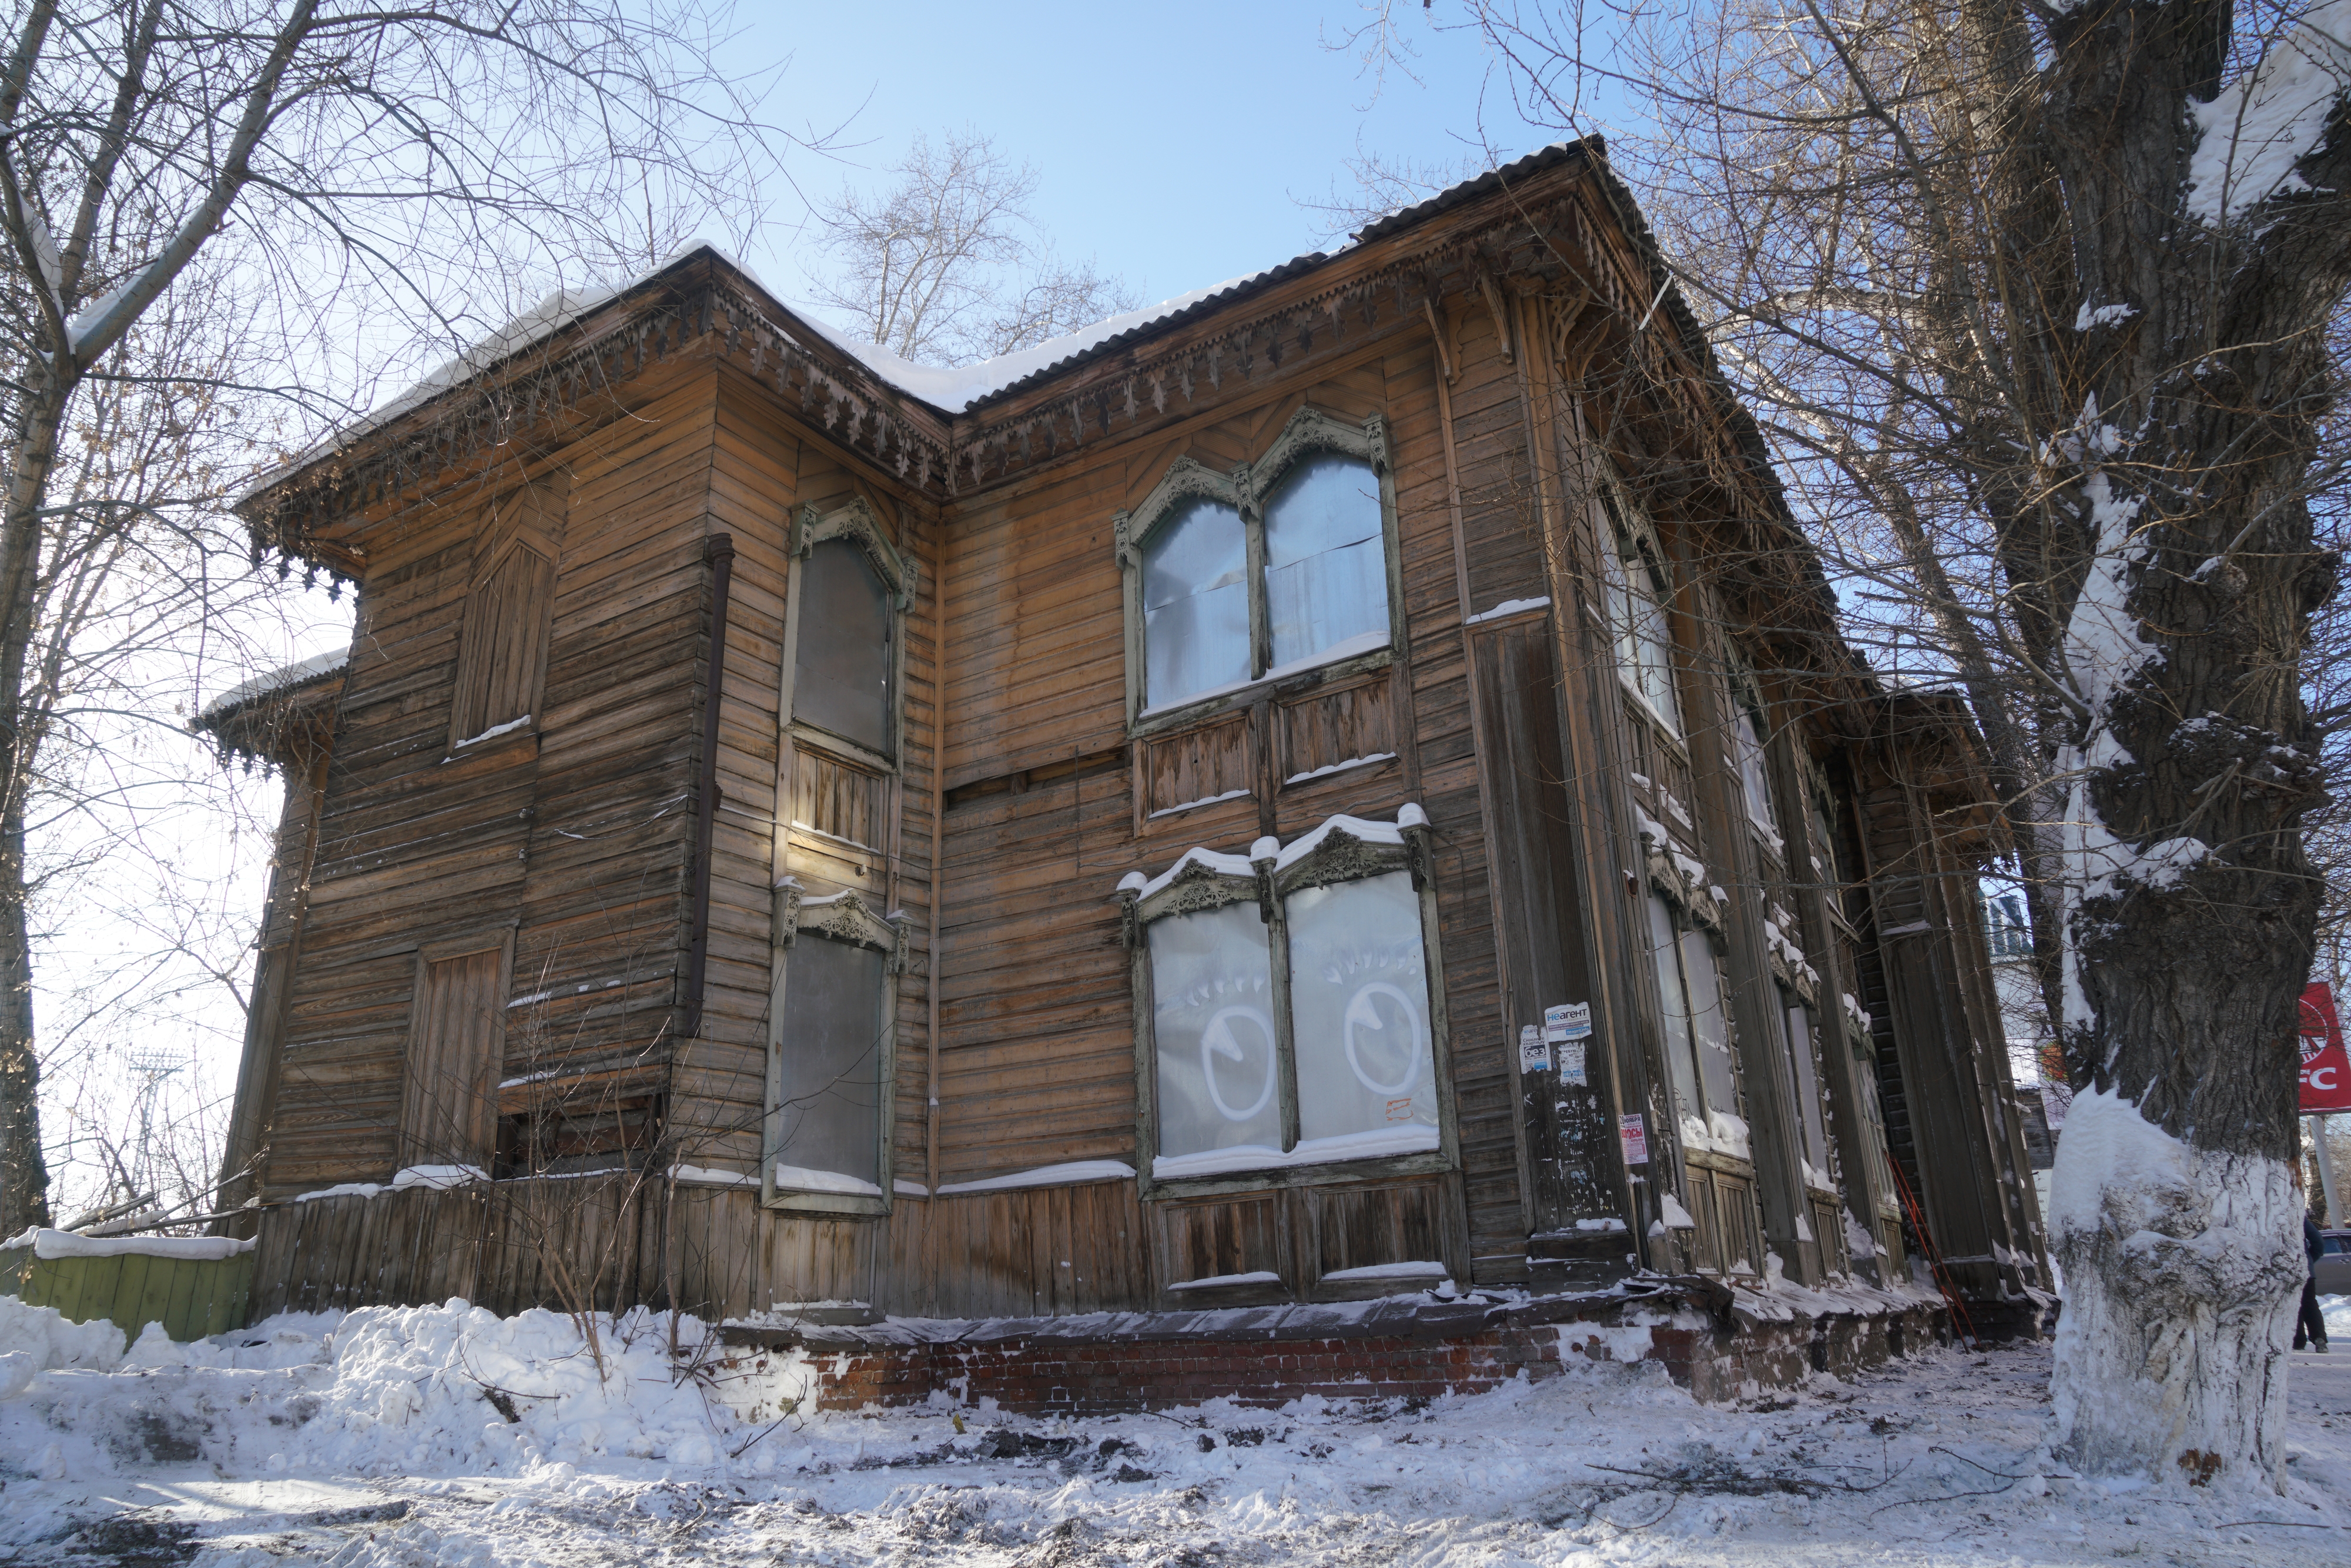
191, 1297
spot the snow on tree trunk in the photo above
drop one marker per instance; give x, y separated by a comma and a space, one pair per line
2181, 1269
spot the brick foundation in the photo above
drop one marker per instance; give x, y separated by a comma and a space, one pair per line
1718, 1343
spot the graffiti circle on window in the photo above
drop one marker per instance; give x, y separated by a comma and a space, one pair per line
1363, 1011
1216, 1040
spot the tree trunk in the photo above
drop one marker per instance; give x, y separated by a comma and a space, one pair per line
24, 1173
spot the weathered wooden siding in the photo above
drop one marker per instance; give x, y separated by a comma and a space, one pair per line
570, 829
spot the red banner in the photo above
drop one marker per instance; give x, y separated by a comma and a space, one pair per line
2325, 1069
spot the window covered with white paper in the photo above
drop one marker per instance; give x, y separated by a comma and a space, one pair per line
829, 1115
1754, 775
1196, 608
1673, 1000
1359, 1011
1326, 561
1645, 643
1808, 1093
1212, 1022
1710, 1035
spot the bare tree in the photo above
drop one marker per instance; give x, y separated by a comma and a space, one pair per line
318, 173
2041, 303
946, 267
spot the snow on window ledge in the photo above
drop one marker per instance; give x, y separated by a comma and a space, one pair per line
1420, 1271
1409, 815
800, 1179
1380, 1143
1203, 800
1075, 1173
1353, 647
1220, 1281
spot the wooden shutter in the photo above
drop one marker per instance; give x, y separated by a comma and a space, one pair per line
448, 1112
503, 648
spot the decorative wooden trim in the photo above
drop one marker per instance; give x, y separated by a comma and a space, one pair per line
1309, 430
856, 523
1199, 885
845, 916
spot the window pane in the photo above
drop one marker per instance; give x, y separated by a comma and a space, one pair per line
1649, 627
1808, 1096
1643, 642
1753, 779
1326, 565
1195, 615
1212, 1027
1620, 612
1359, 1011
841, 668
830, 1115
1711, 1036
1665, 951
1824, 845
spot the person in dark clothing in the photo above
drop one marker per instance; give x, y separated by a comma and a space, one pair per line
2310, 1323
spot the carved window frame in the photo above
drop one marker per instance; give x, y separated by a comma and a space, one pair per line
855, 522
844, 916
1308, 432
850, 911
1200, 884
1627, 523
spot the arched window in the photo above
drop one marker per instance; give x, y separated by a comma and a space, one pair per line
845, 661
1645, 643
1196, 601
1326, 579
1281, 566
1697, 1034
832, 1035
1754, 773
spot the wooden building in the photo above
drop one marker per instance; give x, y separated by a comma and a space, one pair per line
1346, 780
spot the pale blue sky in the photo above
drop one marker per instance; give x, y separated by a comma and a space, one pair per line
1171, 140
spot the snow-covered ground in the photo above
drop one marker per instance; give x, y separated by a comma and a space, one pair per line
445, 1438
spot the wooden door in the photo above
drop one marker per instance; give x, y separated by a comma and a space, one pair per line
448, 1112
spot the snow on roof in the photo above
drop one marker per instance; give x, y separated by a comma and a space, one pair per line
957, 390
951, 390
299, 674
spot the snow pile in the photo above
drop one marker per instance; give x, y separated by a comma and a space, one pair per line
399, 1391
1941, 1458
2260, 126
45, 1340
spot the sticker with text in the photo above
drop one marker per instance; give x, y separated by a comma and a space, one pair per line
1634, 1134
1569, 1021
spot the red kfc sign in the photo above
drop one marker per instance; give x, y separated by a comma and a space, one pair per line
2325, 1069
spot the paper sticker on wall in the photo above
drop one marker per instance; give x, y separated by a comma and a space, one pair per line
1570, 1062
1570, 1021
1534, 1053
1635, 1135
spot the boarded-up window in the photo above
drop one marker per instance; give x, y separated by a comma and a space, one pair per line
503, 647
448, 1111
